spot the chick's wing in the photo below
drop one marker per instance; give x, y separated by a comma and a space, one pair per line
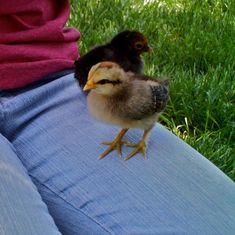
144, 100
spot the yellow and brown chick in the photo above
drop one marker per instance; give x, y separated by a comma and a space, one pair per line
127, 100
124, 49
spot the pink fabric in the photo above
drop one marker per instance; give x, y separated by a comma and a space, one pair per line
34, 41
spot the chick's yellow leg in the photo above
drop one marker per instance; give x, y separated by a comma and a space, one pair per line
140, 147
115, 144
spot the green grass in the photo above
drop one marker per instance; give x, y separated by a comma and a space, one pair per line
193, 44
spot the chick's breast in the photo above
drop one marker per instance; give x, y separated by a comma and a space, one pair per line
99, 108
108, 110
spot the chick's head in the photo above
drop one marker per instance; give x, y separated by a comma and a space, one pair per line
131, 41
106, 78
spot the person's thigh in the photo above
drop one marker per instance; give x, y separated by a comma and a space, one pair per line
174, 191
22, 210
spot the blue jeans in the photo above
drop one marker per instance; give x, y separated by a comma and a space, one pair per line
51, 181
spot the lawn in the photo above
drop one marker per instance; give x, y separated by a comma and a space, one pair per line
194, 45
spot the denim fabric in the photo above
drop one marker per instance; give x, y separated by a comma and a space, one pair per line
176, 191
22, 211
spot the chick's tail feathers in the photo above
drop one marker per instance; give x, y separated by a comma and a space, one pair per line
160, 94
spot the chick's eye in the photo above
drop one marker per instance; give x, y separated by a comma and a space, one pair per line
103, 81
106, 81
138, 45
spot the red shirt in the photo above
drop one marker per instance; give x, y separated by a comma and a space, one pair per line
34, 41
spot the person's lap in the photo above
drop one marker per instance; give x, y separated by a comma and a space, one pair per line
175, 191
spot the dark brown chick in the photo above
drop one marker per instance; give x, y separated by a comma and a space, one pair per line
126, 100
124, 49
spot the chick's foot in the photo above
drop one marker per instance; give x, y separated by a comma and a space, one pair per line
139, 148
115, 144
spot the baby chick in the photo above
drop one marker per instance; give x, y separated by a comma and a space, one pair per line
125, 49
127, 100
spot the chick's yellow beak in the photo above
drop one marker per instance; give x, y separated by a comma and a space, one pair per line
89, 85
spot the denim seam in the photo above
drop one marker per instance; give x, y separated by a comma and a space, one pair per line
71, 204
